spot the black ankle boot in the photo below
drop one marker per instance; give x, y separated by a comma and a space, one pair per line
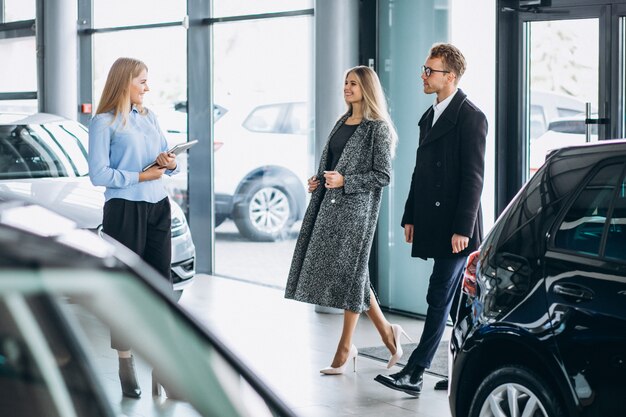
128, 378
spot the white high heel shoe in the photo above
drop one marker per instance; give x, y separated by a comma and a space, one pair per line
397, 332
354, 354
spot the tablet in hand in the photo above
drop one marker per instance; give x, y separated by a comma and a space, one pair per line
176, 149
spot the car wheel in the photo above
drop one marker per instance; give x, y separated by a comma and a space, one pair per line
265, 212
514, 391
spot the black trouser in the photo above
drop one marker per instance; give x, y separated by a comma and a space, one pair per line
443, 289
144, 228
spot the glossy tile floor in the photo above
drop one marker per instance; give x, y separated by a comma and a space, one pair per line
287, 342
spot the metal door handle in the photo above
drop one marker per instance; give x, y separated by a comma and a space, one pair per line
573, 291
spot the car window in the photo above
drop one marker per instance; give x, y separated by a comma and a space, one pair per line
616, 235
582, 227
264, 119
73, 142
565, 112
218, 111
26, 154
568, 126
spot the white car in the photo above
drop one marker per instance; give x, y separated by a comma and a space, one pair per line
43, 157
547, 106
566, 131
262, 161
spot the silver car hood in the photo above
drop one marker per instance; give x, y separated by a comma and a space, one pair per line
75, 198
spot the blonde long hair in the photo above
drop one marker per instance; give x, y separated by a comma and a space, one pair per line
374, 103
116, 94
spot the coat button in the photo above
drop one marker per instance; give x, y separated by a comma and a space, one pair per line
438, 163
437, 204
332, 201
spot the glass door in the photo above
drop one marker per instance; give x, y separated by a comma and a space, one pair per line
563, 103
562, 78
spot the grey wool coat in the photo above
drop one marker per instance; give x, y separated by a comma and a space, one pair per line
330, 261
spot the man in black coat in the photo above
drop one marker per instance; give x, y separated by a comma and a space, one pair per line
442, 216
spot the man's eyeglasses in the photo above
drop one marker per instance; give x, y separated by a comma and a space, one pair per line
428, 70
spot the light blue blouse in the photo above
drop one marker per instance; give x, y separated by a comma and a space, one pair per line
117, 154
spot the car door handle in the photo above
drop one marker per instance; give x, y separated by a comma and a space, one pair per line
578, 292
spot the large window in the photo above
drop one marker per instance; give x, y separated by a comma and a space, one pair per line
222, 8
262, 77
113, 13
18, 70
167, 64
15, 10
260, 80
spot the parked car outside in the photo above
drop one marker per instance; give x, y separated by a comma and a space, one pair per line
44, 157
546, 106
262, 160
62, 288
542, 329
562, 132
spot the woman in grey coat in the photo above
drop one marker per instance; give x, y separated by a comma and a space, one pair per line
330, 261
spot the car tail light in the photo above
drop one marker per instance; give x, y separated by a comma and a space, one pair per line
469, 276
217, 145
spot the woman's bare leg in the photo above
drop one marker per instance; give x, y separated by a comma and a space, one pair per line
375, 314
350, 318
125, 354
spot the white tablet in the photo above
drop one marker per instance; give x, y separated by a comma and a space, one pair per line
176, 149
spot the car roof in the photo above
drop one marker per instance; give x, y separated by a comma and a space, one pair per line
26, 118
616, 146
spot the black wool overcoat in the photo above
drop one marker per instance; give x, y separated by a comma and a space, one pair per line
447, 181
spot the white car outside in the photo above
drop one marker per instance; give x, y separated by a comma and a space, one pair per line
262, 160
567, 131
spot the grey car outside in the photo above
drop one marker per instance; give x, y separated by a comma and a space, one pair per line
43, 157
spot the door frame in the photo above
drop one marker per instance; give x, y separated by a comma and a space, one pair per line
511, 104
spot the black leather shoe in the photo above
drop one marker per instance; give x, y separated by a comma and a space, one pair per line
442, 385
128, 378
402, 382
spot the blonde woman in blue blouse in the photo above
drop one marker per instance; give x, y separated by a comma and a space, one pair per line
124, 137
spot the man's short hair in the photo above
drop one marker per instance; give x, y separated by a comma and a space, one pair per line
453, 59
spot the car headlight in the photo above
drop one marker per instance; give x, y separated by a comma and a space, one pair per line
179, 222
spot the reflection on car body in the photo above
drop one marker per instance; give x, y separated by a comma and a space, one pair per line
61, 288
542, 329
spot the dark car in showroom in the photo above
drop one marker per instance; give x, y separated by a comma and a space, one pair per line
541, 330
62, 288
